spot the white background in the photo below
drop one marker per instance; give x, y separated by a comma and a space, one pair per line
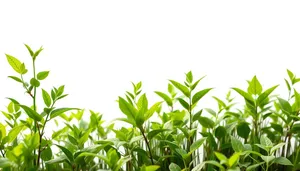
96, 48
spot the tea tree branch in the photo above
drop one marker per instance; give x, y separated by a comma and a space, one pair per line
148, 145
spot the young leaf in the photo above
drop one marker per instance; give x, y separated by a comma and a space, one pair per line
37, 53
244, 94
267, 159
34, 82
152, 110
199, 95
189, 77
184, 103
206, 122
233, 159
166, 98
283, 161
221, 157
237, 145
16, 79
196, 83
142, 104
127, 108
265, 141
254, 166
29, 50
285, 106
57, 112
291, 75
67, 152
200, 166
197, 144
46, 98
273, 149
42, 75
174, 167
181, 87
14, 63
31, 113
265, 95
150, 168
14, 132
254, 86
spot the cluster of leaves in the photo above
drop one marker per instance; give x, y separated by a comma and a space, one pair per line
173, 134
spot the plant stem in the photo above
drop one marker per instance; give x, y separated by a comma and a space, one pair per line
148, 145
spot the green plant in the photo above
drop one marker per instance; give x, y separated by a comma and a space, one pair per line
178, 133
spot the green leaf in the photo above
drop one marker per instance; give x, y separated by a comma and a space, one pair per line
297, 100
254, 166
206, 122
291, 75
267, 159
15, 64
221, 157
2, 132
59, 111
59, 159
261, 98
243, 130
29, 50
200, 94
196, 83
31, 113
233, 159
265, 141
283, 161
46, 98
189, 77
166, 98
254, 86
127, 108
184, 103
277, 127
174, 167
244, 94
42, 75
46, 154
37, 53
237, 145
34, 82
4, 163
152, 110
150, 168
200, 166
287, 84
14, 132
296, 128
67, 152
181, 87
16, 79
196, 145
285, 106
72, 140
153, 133
142, 104
273, 149
84, 137
220, 132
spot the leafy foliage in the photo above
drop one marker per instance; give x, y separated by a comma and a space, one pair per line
172, 134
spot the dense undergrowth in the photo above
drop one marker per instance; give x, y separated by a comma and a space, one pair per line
261, 135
